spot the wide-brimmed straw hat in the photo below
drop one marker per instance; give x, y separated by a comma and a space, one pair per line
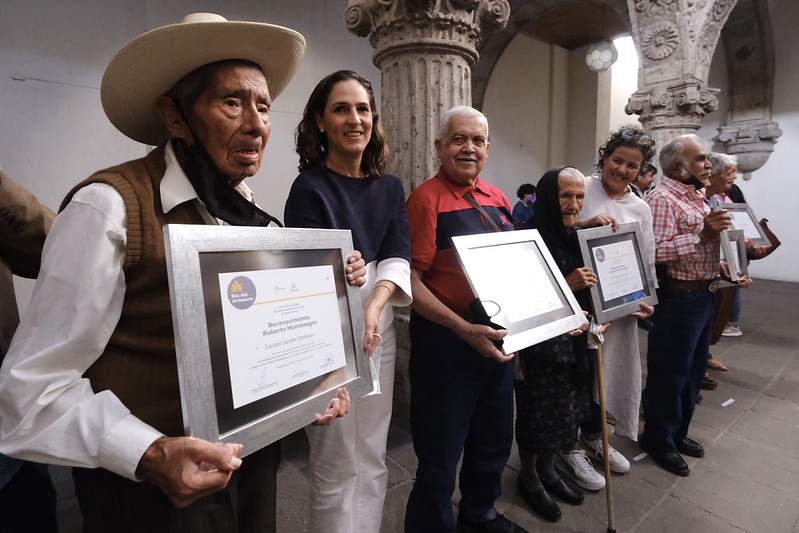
151, 64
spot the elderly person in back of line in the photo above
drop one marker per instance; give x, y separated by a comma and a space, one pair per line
91, 377
723, 169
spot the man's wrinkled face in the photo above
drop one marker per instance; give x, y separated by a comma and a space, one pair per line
696, 162
463, 151
230, 118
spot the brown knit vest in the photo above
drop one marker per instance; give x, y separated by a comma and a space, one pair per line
139, 363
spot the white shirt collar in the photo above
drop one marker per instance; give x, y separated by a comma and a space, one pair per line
175, 186
177, 189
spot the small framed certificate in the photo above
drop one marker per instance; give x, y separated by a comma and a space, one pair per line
737, 262
521, 288
266, 328
624, 278
744, 219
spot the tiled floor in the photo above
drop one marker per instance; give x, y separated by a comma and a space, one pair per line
747, 482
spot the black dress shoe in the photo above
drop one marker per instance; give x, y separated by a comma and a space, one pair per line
563, 490
688, 446
671, 461
709, 383
499, 524
539, 501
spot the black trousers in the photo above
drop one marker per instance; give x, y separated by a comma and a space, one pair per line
247, 505
28, 502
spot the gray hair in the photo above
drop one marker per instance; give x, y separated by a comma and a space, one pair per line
674, 152
459, 111
721, 163
572, 173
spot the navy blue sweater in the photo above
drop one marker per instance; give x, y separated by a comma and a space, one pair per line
372, 208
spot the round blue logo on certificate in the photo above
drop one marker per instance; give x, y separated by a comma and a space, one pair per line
600, 254
241, 292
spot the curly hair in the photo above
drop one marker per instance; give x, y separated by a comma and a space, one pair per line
311, 144
525, 188
631, 136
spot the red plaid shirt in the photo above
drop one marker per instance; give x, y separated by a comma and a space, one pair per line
678, 211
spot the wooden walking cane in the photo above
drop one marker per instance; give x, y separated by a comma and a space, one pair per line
605, 446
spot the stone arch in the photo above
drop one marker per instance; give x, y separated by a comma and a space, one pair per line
522, 13
747, 39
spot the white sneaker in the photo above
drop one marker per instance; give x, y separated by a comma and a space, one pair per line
731, 331
618, 463
578, 466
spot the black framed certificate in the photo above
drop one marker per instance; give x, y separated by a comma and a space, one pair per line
266, 328
517, 280
624, 278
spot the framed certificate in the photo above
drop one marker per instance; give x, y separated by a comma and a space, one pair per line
624, 278
738, 263
266, 328
744, 219
520, 286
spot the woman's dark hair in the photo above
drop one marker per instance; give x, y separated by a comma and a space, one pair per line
188, 88
525, 188
646, 168
311, 144
631, 136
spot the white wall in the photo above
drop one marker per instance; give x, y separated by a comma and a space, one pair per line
624, 82
546, 108
519, 109
52, 58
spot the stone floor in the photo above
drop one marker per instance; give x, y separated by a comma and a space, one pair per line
747, 482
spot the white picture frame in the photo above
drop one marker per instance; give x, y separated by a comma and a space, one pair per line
516, 278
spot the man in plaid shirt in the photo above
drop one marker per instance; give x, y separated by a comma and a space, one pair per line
687, 240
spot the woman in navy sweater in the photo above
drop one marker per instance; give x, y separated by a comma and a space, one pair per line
341, 185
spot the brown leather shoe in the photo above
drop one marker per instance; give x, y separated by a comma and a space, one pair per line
715, 364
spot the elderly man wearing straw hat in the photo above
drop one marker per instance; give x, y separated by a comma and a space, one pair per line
91, 380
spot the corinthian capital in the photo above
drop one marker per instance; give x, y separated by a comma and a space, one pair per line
683, 104
456, 25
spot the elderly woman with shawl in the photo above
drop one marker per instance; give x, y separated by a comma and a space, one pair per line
552, 394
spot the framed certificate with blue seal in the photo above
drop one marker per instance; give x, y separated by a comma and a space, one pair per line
266, 328
624, 276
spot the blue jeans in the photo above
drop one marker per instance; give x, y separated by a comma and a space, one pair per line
676, 363
735, 312
460, 402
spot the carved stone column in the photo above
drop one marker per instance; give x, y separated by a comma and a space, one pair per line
675, 40
425, 50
